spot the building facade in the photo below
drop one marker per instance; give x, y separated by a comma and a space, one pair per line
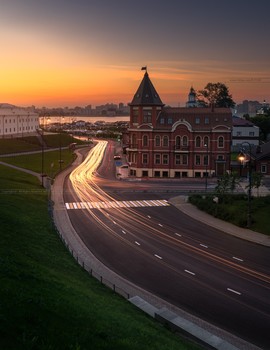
244, 131
16, 121
168, 142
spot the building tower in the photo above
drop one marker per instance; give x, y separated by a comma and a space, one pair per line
192, 98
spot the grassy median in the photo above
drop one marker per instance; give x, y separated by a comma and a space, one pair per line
46, 300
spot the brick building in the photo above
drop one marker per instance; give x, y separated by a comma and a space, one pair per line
168, 142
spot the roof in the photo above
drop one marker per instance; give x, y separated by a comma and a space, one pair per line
241, 122
146, 94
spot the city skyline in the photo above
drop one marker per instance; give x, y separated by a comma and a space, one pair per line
66, 53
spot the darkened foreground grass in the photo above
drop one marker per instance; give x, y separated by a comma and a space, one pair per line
46, 300
233, 208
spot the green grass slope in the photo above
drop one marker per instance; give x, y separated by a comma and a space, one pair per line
46, 300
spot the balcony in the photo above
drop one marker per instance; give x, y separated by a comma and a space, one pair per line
181, 148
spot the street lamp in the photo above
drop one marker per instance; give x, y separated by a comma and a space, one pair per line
242, 157
206, 166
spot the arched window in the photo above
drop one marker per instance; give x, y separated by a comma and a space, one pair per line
206, 141
145, 140
133, 140
220, 142
185, 141
198, 141
177, 142
157, 141
165, 141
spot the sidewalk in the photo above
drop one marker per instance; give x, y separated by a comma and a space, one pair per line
181, 203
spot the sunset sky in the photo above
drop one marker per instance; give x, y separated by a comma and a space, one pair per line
79, 52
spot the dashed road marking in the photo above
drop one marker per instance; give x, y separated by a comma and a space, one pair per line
238, 259
233, 291
203, 245
190, 272
158, 256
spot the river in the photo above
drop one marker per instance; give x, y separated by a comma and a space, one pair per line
91, 119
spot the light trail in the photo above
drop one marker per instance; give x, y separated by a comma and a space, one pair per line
128, 220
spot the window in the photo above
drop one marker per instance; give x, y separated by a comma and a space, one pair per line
197, 120
198, 141
147, 115
162, 121
197, 160
135, 115
165, 159
205, 159
165, 174
263, 168
165, 141
185, 141
145, 173
145, 141
177, 159
251, 133
145, 158
157, 158
238, 133
206, 120
177, 142
221, 142
157, 173
206, 141
170, 121
157, 141
184, 159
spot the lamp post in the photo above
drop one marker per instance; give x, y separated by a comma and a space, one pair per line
206, 166
242, 157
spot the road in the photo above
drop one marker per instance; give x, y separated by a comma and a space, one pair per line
137, 234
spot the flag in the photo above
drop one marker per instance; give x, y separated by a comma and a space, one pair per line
144, 68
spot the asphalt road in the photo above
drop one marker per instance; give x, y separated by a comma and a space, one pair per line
216, 277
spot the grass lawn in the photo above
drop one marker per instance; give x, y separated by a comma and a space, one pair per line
34, 161
47, 300
234, 209
31, 143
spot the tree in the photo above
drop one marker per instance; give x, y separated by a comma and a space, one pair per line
216, 94
226, 184
256, 181
263, 122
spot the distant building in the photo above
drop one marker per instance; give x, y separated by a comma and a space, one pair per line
167, 142
17, 121
262, 159
244, 131
192, 100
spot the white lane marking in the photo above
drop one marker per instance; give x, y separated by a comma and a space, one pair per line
238, 259
147, 204
190, 272
203, 245
123, 232
233, 291
137, 243
75, 206
157, 256
67, 206
160, 225
114, 222
178, 234
149, 216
